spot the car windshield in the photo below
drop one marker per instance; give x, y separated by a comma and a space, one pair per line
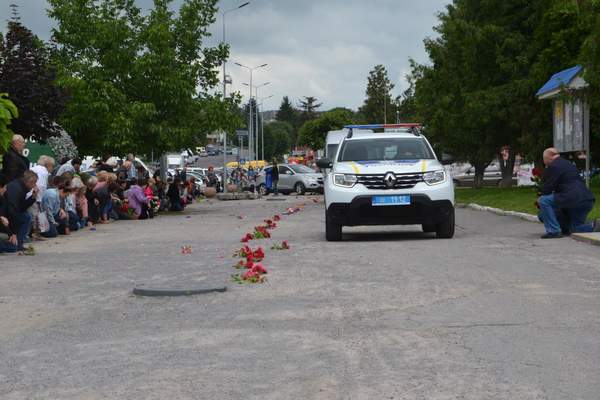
385, 149
301, 169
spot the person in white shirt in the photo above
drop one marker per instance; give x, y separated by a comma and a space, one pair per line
44, 167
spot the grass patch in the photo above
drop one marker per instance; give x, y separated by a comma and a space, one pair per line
520, 199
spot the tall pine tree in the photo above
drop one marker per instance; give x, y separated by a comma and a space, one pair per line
379, 107
28, 76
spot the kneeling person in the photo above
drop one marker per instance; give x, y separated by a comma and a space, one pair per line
564, 190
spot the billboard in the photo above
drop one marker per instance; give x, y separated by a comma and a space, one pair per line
571, 125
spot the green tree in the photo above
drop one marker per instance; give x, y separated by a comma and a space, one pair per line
28, 75
277, 139
314, 132
139, 82
8, 111
287, 112
379, 107
308, 111
406, 105
477, 94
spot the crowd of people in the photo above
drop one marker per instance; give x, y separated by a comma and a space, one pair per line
53, 199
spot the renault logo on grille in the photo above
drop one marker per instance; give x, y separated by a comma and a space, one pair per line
390, 179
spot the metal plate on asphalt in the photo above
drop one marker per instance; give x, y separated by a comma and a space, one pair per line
390, 200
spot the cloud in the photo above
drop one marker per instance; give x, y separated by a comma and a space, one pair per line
320, 48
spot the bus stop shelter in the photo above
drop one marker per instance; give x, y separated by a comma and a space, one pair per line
571, 112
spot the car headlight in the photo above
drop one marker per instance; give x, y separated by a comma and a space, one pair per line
434, 178
344, 180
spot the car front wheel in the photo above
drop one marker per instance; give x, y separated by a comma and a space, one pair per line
262, 189
445, 229
333, 231
300, 189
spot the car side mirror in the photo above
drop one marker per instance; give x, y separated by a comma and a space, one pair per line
447, 159
324, 163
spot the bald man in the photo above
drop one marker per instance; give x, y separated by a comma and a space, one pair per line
564, 190
14, 163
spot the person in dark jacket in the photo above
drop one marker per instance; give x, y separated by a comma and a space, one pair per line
14, 163
564, 190
275, 177
10, 245
175, 196
18, 203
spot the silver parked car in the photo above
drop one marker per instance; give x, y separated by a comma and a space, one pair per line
293, 178
492, 176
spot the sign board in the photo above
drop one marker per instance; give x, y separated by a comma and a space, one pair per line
571, 125
242, 161
241, 133
33, 150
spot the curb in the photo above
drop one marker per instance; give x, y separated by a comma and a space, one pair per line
589, 238
497, 211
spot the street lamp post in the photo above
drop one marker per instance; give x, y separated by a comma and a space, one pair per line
250, 122
255, 127
225, 97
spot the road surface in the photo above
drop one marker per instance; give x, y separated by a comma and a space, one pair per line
390, 313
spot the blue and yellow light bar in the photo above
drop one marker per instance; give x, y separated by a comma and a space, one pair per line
384, 126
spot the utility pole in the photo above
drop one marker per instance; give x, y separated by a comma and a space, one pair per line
225, 97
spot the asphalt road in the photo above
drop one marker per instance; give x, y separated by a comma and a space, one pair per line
495, 313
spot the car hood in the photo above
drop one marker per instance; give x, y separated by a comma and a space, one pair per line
315, 175
382, 167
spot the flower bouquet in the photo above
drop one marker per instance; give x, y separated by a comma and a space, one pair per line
281, 246
256, 274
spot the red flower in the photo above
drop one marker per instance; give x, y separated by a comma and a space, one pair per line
249, 265
250, 257
276, 218
259, 254
250, 275
247, 238
259, 269
261, 232
537, 172
285, 245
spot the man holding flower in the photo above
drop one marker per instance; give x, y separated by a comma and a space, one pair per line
564, 189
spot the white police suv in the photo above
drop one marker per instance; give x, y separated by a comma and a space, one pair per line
387, 178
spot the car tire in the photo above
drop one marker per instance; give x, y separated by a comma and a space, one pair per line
299, 188
429, 228
333, 231
445, 229
262, 189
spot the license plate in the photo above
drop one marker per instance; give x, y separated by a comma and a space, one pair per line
390, 200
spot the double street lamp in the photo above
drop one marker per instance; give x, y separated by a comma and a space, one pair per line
225, 96
255, 138
250, 128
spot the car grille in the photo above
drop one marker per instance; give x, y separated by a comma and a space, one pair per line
403, 181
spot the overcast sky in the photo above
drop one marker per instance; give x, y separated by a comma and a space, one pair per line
320, 48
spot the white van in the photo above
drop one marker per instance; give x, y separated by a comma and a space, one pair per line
175, 161
333, 140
